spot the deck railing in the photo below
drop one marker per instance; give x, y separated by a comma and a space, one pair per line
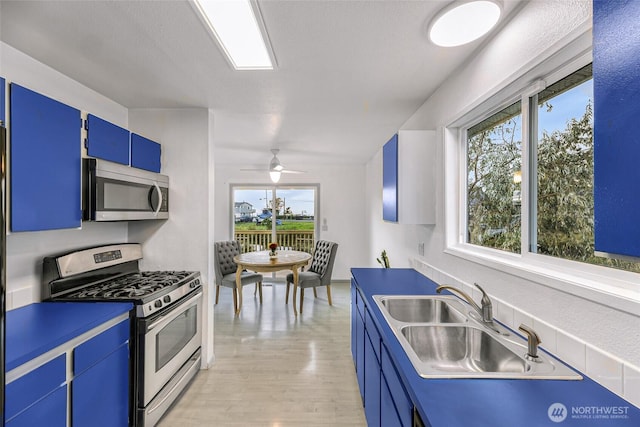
258, 240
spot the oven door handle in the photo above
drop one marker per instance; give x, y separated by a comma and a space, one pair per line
170, 315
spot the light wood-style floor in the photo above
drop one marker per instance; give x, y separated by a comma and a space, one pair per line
275, 369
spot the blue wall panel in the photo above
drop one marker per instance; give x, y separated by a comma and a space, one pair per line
107, 141
390, 180
145, 153
45, 162
616, 70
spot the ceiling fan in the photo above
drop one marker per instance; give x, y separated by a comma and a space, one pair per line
275, 168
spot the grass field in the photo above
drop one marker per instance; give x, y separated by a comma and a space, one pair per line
286, 225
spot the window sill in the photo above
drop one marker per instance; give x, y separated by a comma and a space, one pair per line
570, 277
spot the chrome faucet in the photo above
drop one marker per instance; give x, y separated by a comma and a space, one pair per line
485, 312
533, 340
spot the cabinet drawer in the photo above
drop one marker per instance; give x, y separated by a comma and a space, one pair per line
33, 386
360, 303
50, 411
373, 334
404, 406
97, 348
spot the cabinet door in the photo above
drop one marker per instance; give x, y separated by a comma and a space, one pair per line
390, 180
388, 415
100, 395
50, 411
616, 148
401, 400
106, 140
45, 162
354, 314
145, 153
360, 340
371, 384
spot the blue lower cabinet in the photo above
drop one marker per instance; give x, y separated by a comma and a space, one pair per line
50, 411
354, 314
371, 384
100, 395
34, 386
388, 415
360, 339
399, 397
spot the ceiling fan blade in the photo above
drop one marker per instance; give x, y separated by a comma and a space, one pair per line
255, 170
292, 171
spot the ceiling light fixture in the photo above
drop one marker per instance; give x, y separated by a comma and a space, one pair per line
275, 176
463, 22
238, 28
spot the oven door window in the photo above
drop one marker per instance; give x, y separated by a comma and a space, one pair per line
175, 335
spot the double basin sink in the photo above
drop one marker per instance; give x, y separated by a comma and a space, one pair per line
443, 338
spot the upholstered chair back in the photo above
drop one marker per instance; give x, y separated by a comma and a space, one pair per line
323, 257
224, 253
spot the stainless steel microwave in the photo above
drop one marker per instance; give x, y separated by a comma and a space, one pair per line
114, 192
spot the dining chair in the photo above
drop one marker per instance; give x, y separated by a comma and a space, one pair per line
319, 273
226, 270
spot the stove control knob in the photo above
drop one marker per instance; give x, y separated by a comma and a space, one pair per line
158, 304
166, 299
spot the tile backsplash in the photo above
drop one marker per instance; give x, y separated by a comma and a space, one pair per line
609, 371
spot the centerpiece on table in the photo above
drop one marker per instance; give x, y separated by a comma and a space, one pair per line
273, 250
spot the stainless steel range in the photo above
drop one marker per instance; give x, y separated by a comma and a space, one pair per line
166, 332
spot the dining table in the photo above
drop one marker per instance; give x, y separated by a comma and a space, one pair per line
263, 262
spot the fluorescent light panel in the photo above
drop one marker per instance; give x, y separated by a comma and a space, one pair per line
237, 30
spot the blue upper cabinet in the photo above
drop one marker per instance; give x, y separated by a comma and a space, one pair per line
408, 177
106, 140
390, 180
2, 102
145, 153
45, 162
616, 143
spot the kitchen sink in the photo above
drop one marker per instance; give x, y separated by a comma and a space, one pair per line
461, 349
442, 339
426, 309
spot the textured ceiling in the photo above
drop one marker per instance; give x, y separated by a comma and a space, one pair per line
349, 73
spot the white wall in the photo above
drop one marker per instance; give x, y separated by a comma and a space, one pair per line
184, 241
342, 204
25, 250
600, 332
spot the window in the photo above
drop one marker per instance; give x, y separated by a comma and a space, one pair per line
560, 219
265, 214
494, 157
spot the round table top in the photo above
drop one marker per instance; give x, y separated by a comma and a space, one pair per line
261, 258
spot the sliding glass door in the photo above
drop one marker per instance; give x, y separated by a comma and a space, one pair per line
283, 214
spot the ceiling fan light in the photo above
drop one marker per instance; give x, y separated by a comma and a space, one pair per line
275, 176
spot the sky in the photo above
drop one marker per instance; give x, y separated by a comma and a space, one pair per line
570, 104
301, 201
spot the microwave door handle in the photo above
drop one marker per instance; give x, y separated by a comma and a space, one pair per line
155, 213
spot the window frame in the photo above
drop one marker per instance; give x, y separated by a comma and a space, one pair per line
612, 287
